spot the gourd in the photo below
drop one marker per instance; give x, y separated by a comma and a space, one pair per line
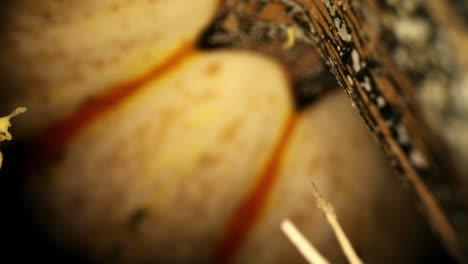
148, 149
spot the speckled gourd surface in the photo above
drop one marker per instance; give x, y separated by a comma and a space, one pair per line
155, 151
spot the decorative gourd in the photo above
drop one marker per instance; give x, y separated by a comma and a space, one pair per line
150, 150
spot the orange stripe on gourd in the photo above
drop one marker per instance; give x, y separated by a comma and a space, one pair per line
187, 148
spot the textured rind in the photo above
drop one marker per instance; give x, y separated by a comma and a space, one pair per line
56, 55
185, 149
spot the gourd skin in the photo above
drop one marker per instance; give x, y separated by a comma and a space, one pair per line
183, 150
163, 173
71, 53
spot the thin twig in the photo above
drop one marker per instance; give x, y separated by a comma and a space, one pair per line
310, 253
332, 219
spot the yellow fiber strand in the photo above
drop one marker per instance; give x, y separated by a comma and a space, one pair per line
5, 124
